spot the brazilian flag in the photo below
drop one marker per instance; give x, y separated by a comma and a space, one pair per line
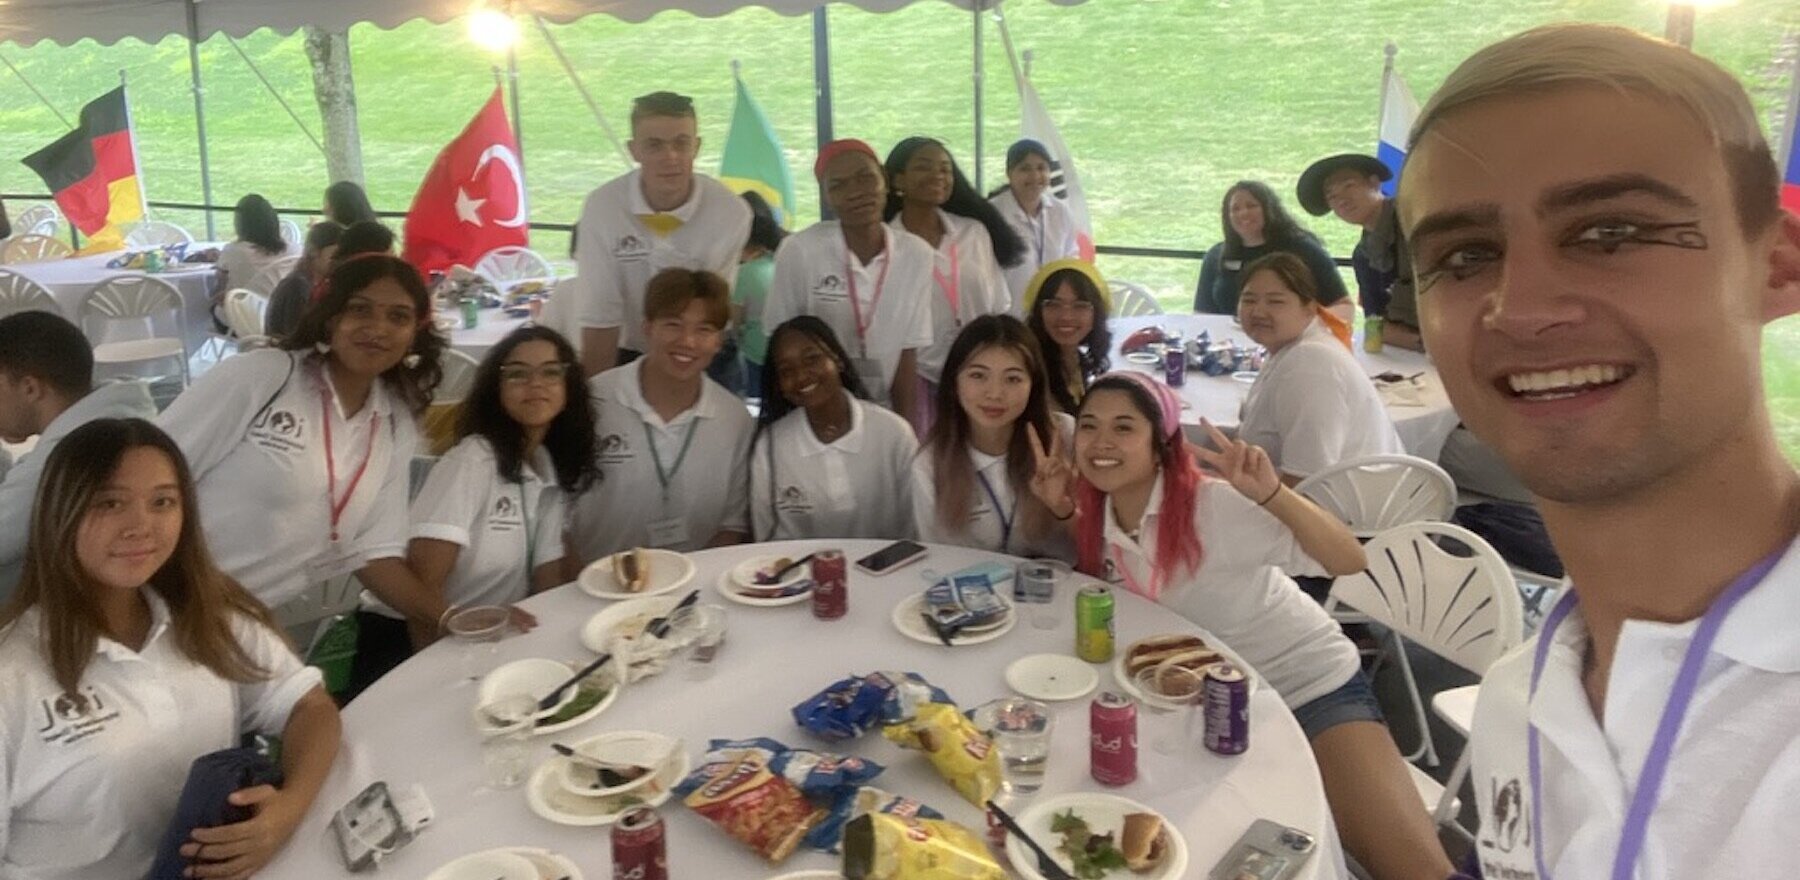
753, 160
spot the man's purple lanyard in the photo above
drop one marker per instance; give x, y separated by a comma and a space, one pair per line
1662, 747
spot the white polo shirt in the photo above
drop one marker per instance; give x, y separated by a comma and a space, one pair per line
88, 791
1312, 406
1241, 593
813, 272
616, 253
253, 432
1049, 235
984, 530
853, 487
966, 271
707, 491
466, 502
1727, 807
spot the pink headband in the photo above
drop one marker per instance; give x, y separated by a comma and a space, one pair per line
1165, 398
838, 148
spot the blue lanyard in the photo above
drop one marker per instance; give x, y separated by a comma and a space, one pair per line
1005, 517
1662, 747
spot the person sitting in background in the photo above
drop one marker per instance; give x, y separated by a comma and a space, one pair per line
365, 237
1255, 224
673, 443
1349, 185
1067, 306
1040, 220
47, 390
125, 655
258, 243
1311, 405
825, 463
294, 293
756, 272
347, 204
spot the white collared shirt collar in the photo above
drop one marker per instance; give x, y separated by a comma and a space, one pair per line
30, 624
631, 396
378, 404
850, 443
684, 212
1115, 534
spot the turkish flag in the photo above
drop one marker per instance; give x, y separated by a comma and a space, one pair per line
473, 198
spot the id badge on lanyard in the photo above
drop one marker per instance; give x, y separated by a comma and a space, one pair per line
865, 366
671, 529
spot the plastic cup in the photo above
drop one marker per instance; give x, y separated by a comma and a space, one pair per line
1049, 615
1020, 730
477, 631
1169, 691
506, 743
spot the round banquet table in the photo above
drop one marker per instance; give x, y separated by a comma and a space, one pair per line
70, 280
414, 726
491, 326
1424, 419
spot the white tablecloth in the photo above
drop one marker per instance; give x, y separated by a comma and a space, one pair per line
492, 326
1423, 427
414, 727
70, 281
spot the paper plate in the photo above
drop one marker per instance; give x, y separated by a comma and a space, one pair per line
535, 677
1123, 677
494, 864
744, 573
1245, 376
1144, 358
635, 614
550, 866
545, 795
911, 624
1052, 677
728, 587
1104, 813
640, 747
668, 571
488, 690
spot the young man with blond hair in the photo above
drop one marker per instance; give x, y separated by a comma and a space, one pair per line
1597, 240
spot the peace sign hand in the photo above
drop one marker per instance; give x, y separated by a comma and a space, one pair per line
1052, 475
1245, 466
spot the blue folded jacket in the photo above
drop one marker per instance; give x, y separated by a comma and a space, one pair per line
211, 780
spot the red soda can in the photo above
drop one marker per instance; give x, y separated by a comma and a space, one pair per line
1226, 696
831, 588
1112, 739
639, 849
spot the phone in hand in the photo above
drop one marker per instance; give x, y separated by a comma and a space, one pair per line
894, 556
1268, 851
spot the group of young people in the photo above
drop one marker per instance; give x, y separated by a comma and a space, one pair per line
1558, 269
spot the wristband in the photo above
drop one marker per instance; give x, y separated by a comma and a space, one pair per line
1265, 501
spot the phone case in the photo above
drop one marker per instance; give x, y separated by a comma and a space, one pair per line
1267, 851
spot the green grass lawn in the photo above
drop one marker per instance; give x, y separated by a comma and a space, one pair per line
1165, 102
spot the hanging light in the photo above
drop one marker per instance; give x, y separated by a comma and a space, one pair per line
491, 26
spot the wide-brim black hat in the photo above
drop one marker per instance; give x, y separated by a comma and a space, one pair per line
1311, 188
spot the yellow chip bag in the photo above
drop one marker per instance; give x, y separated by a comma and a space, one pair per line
884, 846
963, 755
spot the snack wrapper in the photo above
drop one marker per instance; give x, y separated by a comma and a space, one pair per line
883, 846
964, 600
814, 773
743, 795
853, 802
964, 756
849, 707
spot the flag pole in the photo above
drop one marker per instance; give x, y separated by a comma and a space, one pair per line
518, 119
975, 10
822, 93
580, 89
1387, 74
137, 165
206, 191
34, 90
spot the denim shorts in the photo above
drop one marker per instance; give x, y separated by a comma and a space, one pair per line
1354, 701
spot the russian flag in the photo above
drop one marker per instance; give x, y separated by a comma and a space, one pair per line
1398, 110
1790, 178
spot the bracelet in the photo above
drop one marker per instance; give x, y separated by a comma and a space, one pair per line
1265, 501
442, 618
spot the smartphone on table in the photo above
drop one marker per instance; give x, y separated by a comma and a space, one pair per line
897, 555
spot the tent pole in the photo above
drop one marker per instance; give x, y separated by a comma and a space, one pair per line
580, 88
206, 193
267, 86
34, 90
822, 93
518, 122
975, 9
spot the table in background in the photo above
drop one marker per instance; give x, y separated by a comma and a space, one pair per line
70, 280
491, 326
415, 726
1423, 427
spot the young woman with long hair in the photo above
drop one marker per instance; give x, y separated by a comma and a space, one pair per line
1067, 306
1040, 219
1255, 224
971, 481
825, 462
346, 203
125, 655
258, 243
294, 292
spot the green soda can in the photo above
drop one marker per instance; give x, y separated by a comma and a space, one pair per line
471, 313
1094, 624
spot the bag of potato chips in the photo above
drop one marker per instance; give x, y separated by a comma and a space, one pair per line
884, 846
964, 756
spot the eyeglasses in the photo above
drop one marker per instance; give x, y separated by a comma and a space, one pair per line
520, 374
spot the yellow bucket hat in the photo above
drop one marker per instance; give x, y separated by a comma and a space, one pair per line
1084, 267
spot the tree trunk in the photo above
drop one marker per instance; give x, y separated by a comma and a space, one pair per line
335, 89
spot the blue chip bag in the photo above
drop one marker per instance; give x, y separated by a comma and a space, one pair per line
845, 710
816, 774
828, 835
904, 693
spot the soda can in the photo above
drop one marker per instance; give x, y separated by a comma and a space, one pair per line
1175, 363
1112, 739
831, 589
1094, 624
471, 313
1034, 582
1226, 706
639, 848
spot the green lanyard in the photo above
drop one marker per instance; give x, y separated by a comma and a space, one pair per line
530, 534
664, 476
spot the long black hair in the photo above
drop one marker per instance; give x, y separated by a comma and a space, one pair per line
255, 222
765, 231
964, 201
1095, 354
347, 203
414, 384
1279, 227
570, 439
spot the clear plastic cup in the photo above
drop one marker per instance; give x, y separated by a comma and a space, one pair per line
506, 740
1049, 615
1173, 695
700, 631
477, 631
1020, 730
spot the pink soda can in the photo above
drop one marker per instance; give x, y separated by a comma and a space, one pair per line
1112, 739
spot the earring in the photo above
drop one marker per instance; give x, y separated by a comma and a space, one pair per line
411, 361
322, 347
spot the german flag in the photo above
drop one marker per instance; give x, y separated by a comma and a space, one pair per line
92, 171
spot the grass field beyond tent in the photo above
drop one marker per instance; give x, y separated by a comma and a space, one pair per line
1165, 102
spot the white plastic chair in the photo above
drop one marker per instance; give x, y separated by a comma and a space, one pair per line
21, 294
1378, 492
1130, 300
292, 234
270, 276
33, 248
509, 265
459, 377
156, 233
1465, 609
136, 300
39, 219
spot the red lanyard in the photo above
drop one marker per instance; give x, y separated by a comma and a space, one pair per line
337, 504
1131, 581
952, 286
862, 326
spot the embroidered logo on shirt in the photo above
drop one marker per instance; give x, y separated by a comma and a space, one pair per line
614, 449
631, 247
831, 287
505, 517
69, 719
1507, 836
279, 430
792, 499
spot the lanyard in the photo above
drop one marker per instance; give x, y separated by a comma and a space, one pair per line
530, 534
862, 325
1662, 747
951, 286
335, 503
1007, 518
1037, 223
1131, 582
664, 476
